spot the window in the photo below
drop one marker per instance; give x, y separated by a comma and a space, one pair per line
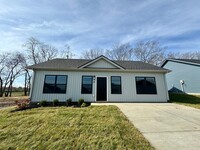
116, 87
146, 85
55, 84
86, 84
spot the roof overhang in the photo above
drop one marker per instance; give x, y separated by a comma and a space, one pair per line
103, 70
179, 61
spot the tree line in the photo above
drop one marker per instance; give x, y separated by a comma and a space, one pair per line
13, 65
146, 51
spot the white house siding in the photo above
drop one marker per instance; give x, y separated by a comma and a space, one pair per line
101, 64
75, 80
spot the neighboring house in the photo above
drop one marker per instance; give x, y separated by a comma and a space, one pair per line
100, 79
184, 75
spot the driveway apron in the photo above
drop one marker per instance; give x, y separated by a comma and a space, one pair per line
166, 126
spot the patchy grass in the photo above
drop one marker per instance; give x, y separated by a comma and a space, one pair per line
12, 99
15, 96
185, 99
94, 127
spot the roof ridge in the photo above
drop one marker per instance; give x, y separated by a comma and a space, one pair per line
93, 59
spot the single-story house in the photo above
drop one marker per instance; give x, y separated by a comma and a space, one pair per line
100, 79
184, 75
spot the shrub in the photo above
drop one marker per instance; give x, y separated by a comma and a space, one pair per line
43, 103
69, 102
23, 104
55, 102
83, 104
80, 101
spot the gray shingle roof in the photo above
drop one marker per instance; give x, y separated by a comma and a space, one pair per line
64, 64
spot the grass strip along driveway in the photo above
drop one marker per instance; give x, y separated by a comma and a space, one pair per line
94, 127
186, 99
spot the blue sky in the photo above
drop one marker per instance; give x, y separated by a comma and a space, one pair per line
85, 24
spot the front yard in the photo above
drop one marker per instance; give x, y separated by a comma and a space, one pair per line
185, 99
94, 127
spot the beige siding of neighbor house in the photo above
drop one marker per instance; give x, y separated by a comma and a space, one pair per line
75, 80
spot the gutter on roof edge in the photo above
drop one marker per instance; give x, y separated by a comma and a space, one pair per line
104, 70
178, 61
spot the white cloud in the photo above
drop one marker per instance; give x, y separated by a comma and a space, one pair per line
91, 24
99, 24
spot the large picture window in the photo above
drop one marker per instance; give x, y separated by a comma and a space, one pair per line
116, 87
55, 84
87, 84
146, 85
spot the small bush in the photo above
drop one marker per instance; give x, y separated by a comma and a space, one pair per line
55, 102
69, 102
23, 104
80, 101
43, 103
83, 104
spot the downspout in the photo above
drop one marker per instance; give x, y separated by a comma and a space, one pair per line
166, 89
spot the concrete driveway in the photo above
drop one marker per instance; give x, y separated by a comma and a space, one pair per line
166, 126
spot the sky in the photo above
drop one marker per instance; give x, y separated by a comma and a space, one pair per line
85, 24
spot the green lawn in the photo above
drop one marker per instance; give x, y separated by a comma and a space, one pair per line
16, 94
185, 99
94, 127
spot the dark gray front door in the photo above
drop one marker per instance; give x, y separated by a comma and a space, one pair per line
101, 89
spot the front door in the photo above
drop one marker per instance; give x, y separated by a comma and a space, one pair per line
101, 89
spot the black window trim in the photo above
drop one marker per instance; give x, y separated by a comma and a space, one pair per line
55, 84
145, 79
120, 84
82, 84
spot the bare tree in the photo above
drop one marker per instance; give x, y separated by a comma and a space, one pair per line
13, 69
92, 53
32, 45
2, 62
197, 55
2, 71
36, 52
120, 52
27, 82
14, 65
48, 52
149, 52
184, 55
67, 52
39, 52
27, 79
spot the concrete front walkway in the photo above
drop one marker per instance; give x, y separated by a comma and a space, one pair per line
166, 126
